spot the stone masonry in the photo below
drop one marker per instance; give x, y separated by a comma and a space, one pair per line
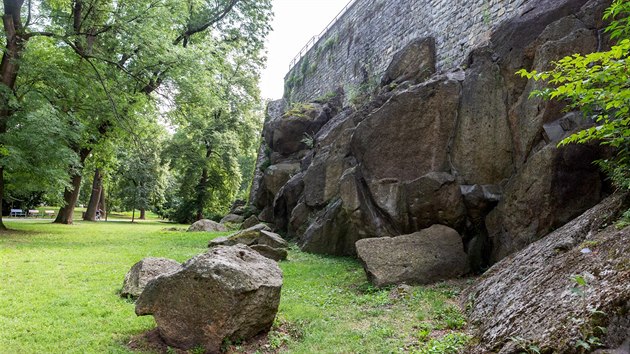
357, 48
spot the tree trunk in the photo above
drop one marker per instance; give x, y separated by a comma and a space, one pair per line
93, 205
9, 68
143, 215
133, 215
203, 186
102, 204
70, 196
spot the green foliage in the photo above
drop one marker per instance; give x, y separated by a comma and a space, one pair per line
597, 84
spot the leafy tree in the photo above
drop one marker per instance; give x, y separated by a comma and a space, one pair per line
598, 84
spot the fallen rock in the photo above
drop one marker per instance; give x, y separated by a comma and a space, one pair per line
249, 222
228, 293
232, 218
277, 254
144, 271
207, 226
575, 282
427, 256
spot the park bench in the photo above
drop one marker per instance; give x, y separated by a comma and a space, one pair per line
33, 213
50, 213
17, 212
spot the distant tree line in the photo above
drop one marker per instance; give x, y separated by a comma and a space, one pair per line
139, 104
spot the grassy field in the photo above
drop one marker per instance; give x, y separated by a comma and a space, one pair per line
59, 284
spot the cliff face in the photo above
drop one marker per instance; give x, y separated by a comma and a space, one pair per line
467, 148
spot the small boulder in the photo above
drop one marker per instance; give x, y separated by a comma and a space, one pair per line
427, 256
258, 235
228, 293
144, 271
207, 226
232, 218
277, 254
249, 222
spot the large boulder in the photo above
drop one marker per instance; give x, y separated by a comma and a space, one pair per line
276, 176
427, 256
228, 293
249, 222
259, 238
205, 225
555, 186
144, 271
571, 286
415, 61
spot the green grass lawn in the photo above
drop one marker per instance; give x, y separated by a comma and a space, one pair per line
59, 284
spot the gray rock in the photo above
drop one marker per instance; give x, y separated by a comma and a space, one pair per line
277, 254
278, 175
228, 293
256, 235
206, 225
427, 256
232, 218
287, 135
249, 222
538, 286
416, 61
144, 271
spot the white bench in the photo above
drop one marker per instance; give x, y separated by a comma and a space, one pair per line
17, 212
50, 213
33, 213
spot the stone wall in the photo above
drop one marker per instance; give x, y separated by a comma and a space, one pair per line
356, 50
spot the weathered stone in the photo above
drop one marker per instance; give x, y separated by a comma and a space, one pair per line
287, 135
266, 215
416, 61
328, 233
482, 149
227, 293
286, 200
539, 285
427, 256
278, 175
232, 218
257, 235
249, 222
409, 136
205, 225
144, 271
554, 186
277, 254
434, 199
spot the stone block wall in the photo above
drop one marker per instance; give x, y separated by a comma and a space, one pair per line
357, 48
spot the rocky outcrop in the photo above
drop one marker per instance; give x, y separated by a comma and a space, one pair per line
427, 256
144, 271
206, 225
575, 281
228, 293
467, 149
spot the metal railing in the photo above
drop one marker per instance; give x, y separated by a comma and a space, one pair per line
316, 38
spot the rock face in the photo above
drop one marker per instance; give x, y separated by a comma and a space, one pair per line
206, 225
427, 256
575, 281
260, 238
466, 149
227, 293
144, 271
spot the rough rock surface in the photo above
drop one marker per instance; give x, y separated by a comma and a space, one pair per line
227, 293
410, 154
572, 281
232, 218
416, 60
206, 225
427, 256
144, 271
260, 238
249, 222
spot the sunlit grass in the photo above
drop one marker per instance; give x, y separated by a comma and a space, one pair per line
59, 284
